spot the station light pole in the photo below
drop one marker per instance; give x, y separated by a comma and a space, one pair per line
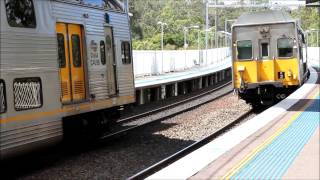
162, 24
198, 28
209, 30
207, 23
185, 31
226, 28
198, 39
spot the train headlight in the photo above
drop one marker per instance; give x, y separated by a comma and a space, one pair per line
241, 68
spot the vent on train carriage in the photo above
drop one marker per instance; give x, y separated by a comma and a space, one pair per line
78, 87
27, 93
3, 103
64, 89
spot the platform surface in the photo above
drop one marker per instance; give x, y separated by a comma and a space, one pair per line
281, 142
148, 81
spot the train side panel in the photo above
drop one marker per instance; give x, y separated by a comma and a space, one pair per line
97, 72
37, 61
28, 62
124, 70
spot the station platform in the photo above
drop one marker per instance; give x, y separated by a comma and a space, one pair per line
279, 143
197, 71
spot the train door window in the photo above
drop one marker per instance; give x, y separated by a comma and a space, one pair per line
3, 102
126, 52
264, 49
285, 47
244, 49
72, 73
103, 52
76, 51
61, 51
20, 13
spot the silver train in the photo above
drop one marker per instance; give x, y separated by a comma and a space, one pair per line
60, 59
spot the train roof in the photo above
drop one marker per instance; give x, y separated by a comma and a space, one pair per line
115, 5
263, 17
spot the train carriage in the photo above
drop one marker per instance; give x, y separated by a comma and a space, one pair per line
269, 56
60, 59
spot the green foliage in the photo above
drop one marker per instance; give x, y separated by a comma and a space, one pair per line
310, 19
177, 14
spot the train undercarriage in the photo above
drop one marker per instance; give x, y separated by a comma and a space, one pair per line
265, 95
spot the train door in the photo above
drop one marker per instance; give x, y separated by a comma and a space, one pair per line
266, 66
70, 57
111, 63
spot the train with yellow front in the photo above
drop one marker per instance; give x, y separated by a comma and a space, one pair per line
269, 57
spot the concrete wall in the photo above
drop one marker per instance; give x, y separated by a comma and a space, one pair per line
158, 62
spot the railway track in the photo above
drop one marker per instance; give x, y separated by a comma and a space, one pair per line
167, 161
77, 151
133, 122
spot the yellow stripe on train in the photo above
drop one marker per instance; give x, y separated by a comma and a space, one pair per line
258, 71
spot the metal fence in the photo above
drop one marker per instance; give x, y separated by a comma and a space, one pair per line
159, 62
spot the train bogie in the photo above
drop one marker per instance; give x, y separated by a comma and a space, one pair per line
60, 59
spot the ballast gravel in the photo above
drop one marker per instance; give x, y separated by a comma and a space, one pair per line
125, 156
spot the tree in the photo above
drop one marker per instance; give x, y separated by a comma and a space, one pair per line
177, 14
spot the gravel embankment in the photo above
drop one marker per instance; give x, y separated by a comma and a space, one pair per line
134, 152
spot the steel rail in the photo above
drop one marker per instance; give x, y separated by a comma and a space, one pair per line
173, 104
154, 111
169, 160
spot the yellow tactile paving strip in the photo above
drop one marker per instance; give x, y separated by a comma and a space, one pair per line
226, 163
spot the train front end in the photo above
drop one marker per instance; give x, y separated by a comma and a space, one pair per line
268, 57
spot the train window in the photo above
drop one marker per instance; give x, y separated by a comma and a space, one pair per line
27, 93
244, 49
285, 47
264, 50
114, 5
76, 51
20, 13
3, 102
103, 52
61, 51
126, 52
